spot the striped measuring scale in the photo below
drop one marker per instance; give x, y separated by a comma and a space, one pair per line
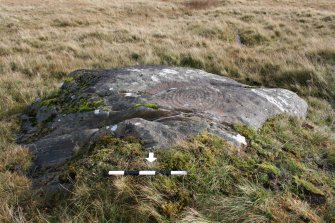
146, 173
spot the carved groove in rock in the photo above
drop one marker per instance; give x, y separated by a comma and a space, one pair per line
200, 98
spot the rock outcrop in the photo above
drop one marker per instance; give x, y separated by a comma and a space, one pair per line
157, 104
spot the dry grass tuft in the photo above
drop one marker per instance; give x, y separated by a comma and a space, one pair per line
201, 4
192, 216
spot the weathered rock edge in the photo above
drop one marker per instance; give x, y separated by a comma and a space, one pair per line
160, 105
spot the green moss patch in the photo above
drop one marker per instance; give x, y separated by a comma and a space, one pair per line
69, 79
68, 98
85, 105
147, 105
308, 186
269, 168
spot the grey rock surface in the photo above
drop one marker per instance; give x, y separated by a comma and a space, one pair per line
159, 105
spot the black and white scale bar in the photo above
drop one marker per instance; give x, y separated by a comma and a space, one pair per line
146, 172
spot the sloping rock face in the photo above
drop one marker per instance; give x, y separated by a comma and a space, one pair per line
159, 105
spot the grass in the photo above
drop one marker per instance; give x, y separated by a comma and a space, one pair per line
200, 4
264, 182
286, 174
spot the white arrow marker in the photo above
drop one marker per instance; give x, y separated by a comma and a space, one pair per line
151, 157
